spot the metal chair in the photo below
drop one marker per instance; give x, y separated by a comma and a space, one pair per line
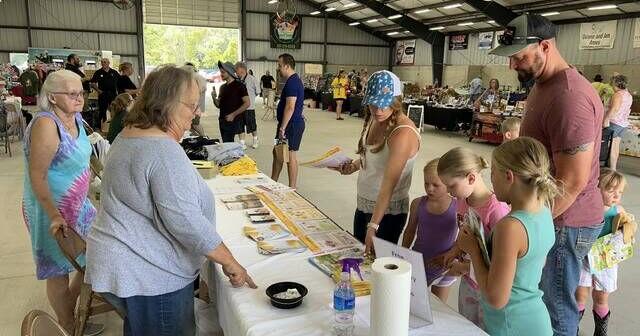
39, 323
4, 129
90, 303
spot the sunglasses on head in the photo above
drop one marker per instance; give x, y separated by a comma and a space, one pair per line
509, 38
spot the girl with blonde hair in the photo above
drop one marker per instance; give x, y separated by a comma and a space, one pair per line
518, 245
460, 170
388, 147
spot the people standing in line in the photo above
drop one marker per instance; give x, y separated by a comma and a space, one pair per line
565, 114
616, 117
56, 185
490, 96
475, 89
105, 82
518, 244
460, 169
290, 118
202, 83
118, 110
150, 239
125, 85
432, 224
339, 85
249, 116
232, 100
388, 148
267, 85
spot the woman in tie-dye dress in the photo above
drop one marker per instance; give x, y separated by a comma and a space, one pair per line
56, 184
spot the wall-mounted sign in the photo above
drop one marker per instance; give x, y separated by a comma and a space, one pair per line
598, 35
485, 40
285, 31
459, 42
405, 52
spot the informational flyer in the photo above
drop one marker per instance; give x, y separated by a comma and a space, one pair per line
266, 232
320, 243
317, 226
333, 158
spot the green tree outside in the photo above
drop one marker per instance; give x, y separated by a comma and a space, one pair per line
203, 47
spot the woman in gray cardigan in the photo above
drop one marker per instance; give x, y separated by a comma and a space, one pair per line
156, 224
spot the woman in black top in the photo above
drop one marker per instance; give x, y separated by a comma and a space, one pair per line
125, 85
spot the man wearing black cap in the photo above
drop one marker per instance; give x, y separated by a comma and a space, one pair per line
232, 101
565, 114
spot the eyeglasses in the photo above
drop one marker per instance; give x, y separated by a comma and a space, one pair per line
509, 37
72, 95
193, 107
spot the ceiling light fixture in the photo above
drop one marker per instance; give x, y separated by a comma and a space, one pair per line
491, 21
351, 4
456, 5
272, 2
330, 9
372, 20
422, 11
314, 13
407, 32
465, 24
437, 28
603, 7
393, 17
354, 23
550, 13
393, 33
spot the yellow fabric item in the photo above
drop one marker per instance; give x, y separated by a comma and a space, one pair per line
243, 166
339, 86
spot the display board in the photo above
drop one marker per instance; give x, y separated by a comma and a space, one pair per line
416, 114
285, 32
485, 40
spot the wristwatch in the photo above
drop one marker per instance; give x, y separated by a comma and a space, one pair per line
373, 226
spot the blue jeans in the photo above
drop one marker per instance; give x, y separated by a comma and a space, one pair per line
168, 314
561, 275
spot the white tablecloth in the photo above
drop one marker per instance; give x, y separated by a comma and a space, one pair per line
247, 311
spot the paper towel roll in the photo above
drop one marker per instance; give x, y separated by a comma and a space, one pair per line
390, 297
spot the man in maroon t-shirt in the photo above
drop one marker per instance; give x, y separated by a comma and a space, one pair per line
565, 114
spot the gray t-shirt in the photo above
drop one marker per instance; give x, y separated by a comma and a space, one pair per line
156, 222
252, 89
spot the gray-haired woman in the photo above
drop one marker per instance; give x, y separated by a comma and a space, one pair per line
617, 116
156, 224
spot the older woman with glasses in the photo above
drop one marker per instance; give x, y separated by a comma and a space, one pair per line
56, 184
156, 223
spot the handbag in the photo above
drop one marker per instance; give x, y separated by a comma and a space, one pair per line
282, 150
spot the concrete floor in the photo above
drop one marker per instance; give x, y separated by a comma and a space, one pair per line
20, 292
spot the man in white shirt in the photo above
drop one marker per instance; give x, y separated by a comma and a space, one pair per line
249, 116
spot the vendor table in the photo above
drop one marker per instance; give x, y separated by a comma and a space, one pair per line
244, 311
447, 118
486, 126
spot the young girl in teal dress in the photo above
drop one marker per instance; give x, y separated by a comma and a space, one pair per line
518, 245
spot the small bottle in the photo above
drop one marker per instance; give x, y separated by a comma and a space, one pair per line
344, 302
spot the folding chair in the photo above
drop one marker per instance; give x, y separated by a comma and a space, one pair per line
90, 303
39, 323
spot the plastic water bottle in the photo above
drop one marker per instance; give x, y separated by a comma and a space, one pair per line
344, 304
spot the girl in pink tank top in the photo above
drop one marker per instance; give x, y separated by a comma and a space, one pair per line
460, 170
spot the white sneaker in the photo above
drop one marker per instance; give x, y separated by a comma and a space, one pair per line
244, 146
255, 145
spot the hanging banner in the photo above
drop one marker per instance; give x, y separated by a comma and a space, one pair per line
636, 34
485, 40
496, 40
598, 35
458, 42
285, 31
405, 52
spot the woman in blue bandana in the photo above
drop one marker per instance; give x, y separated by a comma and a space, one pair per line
388, 147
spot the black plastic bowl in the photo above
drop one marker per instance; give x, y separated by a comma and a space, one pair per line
280, 287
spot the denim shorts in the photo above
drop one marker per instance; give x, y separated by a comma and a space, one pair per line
617, 130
